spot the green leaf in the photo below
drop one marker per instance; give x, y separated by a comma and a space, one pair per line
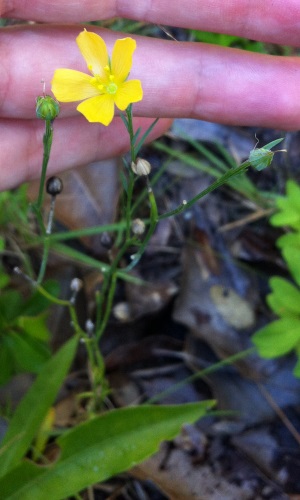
20, 352
296, 370
11, 303
34, 406
286, 217
140, 144
124, 181
2, 243
124, 120
4, 279
289, 240
227, 40
292, 258
7, 368
99, 449
272, 144
288, 207
285, 297
277, 338
35, 326
27, 354
293, 194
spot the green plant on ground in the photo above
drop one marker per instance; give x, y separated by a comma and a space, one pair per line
283, 335
106, 443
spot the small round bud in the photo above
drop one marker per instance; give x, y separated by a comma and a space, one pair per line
141, 167
76, 285
89, 326
106, 240
138, 227
54, 186
47, 108
121, 311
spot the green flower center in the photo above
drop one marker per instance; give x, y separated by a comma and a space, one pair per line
111, 88
105, 88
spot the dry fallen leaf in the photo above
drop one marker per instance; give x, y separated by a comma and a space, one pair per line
235, 310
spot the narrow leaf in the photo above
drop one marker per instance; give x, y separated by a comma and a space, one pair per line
144, 137
101, 448
34, 406
271, 144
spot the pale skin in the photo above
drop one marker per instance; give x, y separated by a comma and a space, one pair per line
179, 79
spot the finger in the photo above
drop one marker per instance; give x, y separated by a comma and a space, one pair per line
274, 21
179, 80
75, 143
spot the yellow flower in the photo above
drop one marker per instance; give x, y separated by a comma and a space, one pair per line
107, 86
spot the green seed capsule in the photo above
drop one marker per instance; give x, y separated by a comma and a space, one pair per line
47, 108
261, 158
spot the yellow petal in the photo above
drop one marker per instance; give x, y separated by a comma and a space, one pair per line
128, 92
121, 60
69, 85
94, 51
98, 109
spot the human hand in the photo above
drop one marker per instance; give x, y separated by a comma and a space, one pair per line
179, 79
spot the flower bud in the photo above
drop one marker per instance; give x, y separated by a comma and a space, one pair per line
138, 227
47, 108
106, 240
261, 158
141, 167
76, 285
89, 326
54, 186
122, 311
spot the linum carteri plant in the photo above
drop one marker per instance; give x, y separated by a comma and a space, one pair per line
105, 88
126, 436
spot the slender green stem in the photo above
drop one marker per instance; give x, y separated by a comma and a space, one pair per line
87, 231
39, 219
129, 126
151, 229
128, 207
154, 179
106, 295
47, 143
44, 261
51, 298
108, 291
108, 305
100, 300
37, 206
219, 182
202, 373
131, 133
